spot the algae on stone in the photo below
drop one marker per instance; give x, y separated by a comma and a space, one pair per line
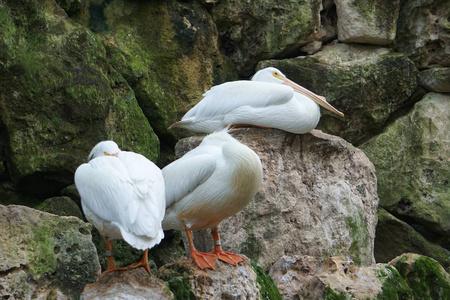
366, 83
410, 158
59, 97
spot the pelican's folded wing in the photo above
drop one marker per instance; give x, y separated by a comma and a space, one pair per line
185, 174
226, 97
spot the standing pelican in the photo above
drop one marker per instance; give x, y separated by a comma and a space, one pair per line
208, 184
269, 100
123, 196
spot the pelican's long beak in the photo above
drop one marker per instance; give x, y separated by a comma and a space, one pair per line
316, 98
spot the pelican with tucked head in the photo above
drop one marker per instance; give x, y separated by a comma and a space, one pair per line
123, 196
208, 184
269, 100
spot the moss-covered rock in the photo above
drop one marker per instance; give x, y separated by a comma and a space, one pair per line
267, 287
59, 96
187, 281
366, 83
251, 31
61, 206
41, 252
167, 52
411, 159
426, 278
394, 237
422, 32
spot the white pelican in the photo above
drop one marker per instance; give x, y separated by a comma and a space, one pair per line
208, 184
123, 196
269, 100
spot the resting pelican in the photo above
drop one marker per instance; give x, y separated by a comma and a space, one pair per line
208, 184
123, 196
269, 100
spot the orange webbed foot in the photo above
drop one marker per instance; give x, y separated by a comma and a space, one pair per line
204, 260
229, 258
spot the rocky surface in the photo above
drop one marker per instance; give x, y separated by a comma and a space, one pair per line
411, 158
407, 239
409, 276
318, 198
60, 96
422, 32
131, 284
306, 277
42, 255
426, 278
366, 21
225, 282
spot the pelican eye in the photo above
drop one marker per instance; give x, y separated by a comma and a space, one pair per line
106, 153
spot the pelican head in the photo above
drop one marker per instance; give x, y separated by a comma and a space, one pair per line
105, 148
274, 75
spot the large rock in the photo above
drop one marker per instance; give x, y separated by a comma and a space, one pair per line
422, 32
59, 96
366, 83
318, 198
187, 281
394, 237
426, 278
43, 255
250, 31
309, 278
411, 158
131, 284
436, 80
166, 50
366, 21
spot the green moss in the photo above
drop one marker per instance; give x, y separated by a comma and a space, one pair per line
177, 279
43, 258
393, 285
426, 278
267, 286
360, 238
332, 295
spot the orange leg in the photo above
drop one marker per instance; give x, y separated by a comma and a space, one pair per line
111, 266
228, 257
203, 260
142, 263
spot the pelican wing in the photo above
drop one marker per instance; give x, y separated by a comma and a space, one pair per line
185, 174
149, 186
109, 192
222, 99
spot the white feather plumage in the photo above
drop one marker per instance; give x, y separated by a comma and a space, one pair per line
210, 183
123, 196
269, 100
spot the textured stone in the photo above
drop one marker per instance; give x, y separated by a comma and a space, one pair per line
308, 278
394, 237
61, 206
168, 68
411, 158
436, 80
132, 284
422, 32
367, 21
250, 31
318, 198
187, 281
59, 96
426, 278
366, 83
44, 254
